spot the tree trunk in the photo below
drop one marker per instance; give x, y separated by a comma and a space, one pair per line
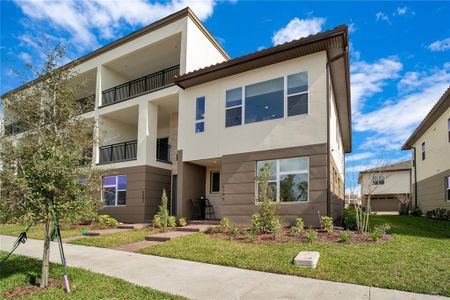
46, 255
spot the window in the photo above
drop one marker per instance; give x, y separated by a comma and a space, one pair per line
378, 179
297, 94
289, 178
264, 101
423, 151
215, 182
233, 107
448, 128
200, 115
447, 183
114, 190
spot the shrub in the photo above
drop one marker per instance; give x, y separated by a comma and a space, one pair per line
256, 224
224, 224
163, 214
233, 231
345, 236
375, 234
327, 223
311, 235
107, 220
172, 221
439, 214
275, 228
209, 230
182, 222
297, 228
383, 229
417, 212
250, 235
349, 219
157, 222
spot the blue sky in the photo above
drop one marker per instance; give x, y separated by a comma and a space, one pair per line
400, 51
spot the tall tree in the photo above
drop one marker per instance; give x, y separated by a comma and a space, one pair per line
41, 168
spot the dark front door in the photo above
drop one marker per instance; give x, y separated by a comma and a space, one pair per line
173, 205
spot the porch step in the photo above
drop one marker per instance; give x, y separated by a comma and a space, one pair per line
125, 226
188, 229
204, 222
156, 238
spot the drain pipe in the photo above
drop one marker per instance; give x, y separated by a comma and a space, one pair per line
415, 175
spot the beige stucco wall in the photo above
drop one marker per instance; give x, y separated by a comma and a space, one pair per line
437, 149
397, 182
293, 131
336, 147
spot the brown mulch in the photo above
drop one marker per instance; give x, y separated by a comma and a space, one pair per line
28, 290
284, 237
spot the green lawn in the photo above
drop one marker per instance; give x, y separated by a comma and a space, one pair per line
20, 270
417, 260
37, 231
114, 239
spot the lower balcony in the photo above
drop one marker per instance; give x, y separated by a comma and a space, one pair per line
118, 152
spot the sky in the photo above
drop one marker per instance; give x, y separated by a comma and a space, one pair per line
399, 51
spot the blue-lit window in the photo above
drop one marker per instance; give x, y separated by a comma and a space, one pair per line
264, 101
233, 107
114, 190
200, 115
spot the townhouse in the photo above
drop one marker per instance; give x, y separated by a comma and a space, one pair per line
430, 143
206, 133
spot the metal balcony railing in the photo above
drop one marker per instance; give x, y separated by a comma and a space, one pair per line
118, 152
87, 103
140, 86
163, 150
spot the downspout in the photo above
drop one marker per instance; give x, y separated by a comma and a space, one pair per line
415, 176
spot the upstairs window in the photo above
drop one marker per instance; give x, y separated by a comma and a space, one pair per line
114, 190
423, 151
378, 179
297, 94
233, 107
200, 115
264, 101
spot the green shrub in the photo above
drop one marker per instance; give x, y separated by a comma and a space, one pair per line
383, 229
107, 220
182, 222
349, 219
345, 236
275, 228
161, 221
256, 224
375, 234
172, 222
311, 235
439, 214
250, 235
209, 230
327, 223
224, 224
233, 231
417, 212
157, 222
298, 227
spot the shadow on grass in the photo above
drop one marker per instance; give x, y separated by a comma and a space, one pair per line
21, 265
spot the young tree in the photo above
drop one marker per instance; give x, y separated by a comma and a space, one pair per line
41, 169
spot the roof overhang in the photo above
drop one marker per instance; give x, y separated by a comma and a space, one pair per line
334, 42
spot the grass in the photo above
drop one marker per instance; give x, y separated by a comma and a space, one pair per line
416, 260
37, 231
113, 239
20, 270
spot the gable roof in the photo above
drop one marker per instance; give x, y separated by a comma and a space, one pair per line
334, 42
134, 35
438, 109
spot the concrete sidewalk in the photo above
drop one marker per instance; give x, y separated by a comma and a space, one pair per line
203, 281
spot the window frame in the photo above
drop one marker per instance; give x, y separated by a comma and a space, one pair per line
211, 177
116, 186
378, 180
242, 106
423, 150
277, 179
287, 95
201, 120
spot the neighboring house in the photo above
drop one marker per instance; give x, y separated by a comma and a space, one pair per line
430, 143
208, 131
387, 185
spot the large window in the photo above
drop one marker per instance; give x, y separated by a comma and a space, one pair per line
114, 190
215, 181
200, 115
264, 101
289, 178
378, 179
423, 151
297, 94
233, 107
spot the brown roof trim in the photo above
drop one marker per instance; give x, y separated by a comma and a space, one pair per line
134, 35
438, 109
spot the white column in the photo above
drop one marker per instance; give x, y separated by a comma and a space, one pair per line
98, 101
147, 133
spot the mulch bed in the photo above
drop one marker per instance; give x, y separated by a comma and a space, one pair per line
28, 290
284, 237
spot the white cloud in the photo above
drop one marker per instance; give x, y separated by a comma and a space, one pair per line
368, 79
359, 156
83, 18
381, 16
402, 10
298, 28
25, 57
441, 45
352, 27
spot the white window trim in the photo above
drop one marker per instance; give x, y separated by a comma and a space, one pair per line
117, 191
277, 180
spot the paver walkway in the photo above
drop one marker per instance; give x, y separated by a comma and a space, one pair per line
204, 281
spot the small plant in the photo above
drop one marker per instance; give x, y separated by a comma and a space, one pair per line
157, 222
417, 212
107, 220
224, 224
345, 236
182, 222
250, 235
375, 234
383, 229
439, 214
172, 221
256, 224
161, 221
327, 223
311, 235
233, 231
349, 219
276, 228
209, 230
297, 228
